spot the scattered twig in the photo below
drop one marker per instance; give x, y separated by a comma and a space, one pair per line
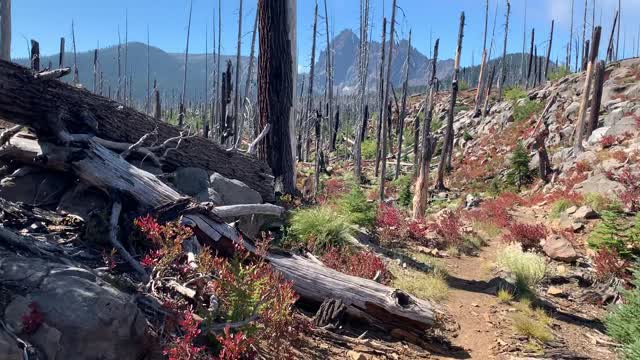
52, 74
8, 134
114, 228
253, 147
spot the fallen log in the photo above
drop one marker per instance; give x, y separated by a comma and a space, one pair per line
382, 306
52, 107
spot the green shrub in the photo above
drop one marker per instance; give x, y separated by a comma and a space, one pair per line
524, 110
405, 197
436, 124
463, 85
319, 228
623, 323
519, 174
614, 232
355, 207
368, 149
504, 296
515, 93
560, 206
559, 73
598, 202
528, 268
531, 328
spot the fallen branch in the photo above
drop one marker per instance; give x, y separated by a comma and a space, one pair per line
52, 74
114, 228
253, 147
232, 211
8, 134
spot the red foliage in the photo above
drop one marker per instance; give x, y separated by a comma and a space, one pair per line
182, 348
32, 321
109, 259
582, 167
448, 229
529, 236
391, 225
332, 188
366, 264
234, 346
630, 196
608, 141
608, 263
496, 211
619, 155
417, 229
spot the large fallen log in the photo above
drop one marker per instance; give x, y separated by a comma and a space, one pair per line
384, 307
52, 107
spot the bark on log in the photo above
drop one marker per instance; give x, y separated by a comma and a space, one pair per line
384, 307
51, 106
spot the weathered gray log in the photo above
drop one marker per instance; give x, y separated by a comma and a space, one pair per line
50, 106
96, 165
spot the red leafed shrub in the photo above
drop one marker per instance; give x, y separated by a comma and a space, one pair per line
32, 321
608, 141
496, 211
529, 236
391, 225
331, 189
630, 196
417, 229
109, 259
582, 167
619, 155
234, 346
182, 348
608, 263
365, 264
448, 228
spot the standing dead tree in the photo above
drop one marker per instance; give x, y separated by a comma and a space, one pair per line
157, 108
421, 195
226, 128
524, 44
236, 102
35, 56
448, 137
61, 55
275, 90
596, 101
363, 65
309, 108
387, 109
76, 78
619, 23
5, 30
148, 103
181, 111
530, 67
247, 86
610, 48
570, 45
329, 77
205, 122
595, 44
483, 64
403, 111
380, 97
546, 66
503, 74
95, 71
584, 33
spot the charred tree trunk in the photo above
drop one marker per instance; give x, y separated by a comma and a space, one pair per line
503, 74
530, 68
387, 110
595, 44
307, 116
610, 48
61, 56
247, 86
157, 108
483, 64
596, 101
546, 65
381, 97
76, 77
275, 90
421, 195
236, 103
329, 80
336, 126
35, 56
226, 128
403, 111
5, 30
184, 79
448, 138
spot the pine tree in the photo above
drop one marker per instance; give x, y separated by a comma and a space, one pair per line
519, 174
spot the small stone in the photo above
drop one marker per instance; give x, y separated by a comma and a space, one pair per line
354, 355
577, 226
559, 248
554, 291
585, 213
571, 210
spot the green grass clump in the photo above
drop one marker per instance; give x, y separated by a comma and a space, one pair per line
559, 73
560, 206
528, 268
319, 228
615, 232
524, 110
515, 93
355, 207
598, 202
623, 323
427, 286
531, 328
504, 296
368, 149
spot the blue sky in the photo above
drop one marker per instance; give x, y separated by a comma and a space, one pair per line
98, 22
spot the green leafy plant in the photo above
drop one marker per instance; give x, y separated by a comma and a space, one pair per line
355, 207
368, 149
623, 323
519, 173
514, 94
405, 197
528, 268
560, 206
318, 228
598, 202
523, 110
559, 73
614, 232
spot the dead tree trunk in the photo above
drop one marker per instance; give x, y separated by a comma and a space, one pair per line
503, 74
318, 157
56, 108
35, 56
329, 80
569, 52
530, 68
247, 86
584, 32
226, 128
184, 79
448, 137
5, 30
610, 47
596, 101
387, 109
157, 108
546, 65
619, 23
421, 195
336, 126
585, 56
380, 97
275, 91
95, 71
307, 116
595, 44
76, 77
61, 56
236, 103
483, 64
403, 111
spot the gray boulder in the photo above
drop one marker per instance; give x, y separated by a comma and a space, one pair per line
599, 184
82, 201
84, 318
559, 248
35, 187
224, 191
585, 212
192, 182
9, 348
